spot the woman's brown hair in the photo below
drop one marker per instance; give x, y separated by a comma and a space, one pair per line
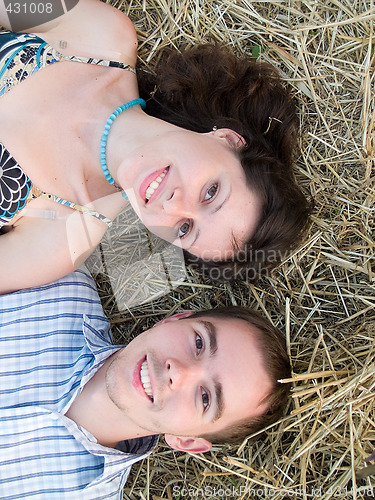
208, 86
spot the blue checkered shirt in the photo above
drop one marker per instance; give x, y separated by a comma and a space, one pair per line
52, 340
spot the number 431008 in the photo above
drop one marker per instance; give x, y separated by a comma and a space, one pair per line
29, 8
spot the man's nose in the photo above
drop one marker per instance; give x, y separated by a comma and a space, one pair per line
182, 374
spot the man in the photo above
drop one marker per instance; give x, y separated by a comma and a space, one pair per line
77, 411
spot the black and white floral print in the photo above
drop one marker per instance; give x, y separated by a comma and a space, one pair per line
18, 58
14, 186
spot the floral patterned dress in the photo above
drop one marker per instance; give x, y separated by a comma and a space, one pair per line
21, 55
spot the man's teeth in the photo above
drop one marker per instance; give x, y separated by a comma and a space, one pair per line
155, 184
145, 379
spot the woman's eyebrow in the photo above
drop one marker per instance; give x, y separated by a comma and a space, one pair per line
216, 209
195, 239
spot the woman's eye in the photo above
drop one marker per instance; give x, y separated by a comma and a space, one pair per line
211, 192
198, 343
184, 229
205, 399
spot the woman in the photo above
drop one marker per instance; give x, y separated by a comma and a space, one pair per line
77, 144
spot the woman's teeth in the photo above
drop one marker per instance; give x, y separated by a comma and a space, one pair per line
145, 379
155, 184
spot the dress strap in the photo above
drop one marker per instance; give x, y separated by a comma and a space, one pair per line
75, 206
89, 60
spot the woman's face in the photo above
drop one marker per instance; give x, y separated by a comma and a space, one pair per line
190, 189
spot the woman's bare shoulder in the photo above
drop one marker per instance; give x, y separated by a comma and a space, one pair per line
49, 241
91, 28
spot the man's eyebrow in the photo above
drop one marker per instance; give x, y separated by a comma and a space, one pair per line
219, 403
211, 333
212, 347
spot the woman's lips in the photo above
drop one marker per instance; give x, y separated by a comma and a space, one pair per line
144, 190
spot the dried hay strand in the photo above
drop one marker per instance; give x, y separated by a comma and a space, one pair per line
322, 296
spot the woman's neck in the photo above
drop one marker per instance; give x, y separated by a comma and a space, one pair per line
132, 131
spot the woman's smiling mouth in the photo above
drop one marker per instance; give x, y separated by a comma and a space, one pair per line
151, 184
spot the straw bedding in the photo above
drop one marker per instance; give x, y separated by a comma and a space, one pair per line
322, 296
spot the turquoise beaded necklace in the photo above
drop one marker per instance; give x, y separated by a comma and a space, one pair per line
103, 142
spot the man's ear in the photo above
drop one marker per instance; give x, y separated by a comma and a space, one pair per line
175, 317
190, 444
235, 140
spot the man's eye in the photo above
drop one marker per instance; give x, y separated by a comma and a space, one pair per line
205, 399
211, 192
184, 229
198, 343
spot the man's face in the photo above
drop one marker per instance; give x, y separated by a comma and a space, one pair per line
189, 376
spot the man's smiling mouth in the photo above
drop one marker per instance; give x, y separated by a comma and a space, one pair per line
145, 379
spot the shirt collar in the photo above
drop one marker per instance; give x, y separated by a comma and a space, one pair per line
98, 337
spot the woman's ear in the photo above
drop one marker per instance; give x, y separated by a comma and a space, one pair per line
235, 140
188, 444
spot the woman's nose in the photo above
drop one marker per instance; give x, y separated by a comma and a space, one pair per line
178, 205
